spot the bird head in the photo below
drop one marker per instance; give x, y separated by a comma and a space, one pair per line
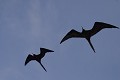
82, 29
33, 54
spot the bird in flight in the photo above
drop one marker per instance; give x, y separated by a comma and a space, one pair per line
38, 57
87, 34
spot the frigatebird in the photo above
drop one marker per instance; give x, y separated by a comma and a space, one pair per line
38, 57
87, 34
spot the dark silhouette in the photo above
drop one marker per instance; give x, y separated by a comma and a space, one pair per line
87, 34
38, 57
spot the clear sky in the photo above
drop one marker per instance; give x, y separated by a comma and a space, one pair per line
27, 25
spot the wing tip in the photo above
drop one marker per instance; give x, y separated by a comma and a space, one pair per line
117, 27
64, 39
61, 41
25, 64
108, 24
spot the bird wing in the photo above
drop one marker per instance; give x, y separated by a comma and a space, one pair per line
71, 34
99, 26
44, 50
28, 59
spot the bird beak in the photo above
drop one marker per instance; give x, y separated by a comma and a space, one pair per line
82, 27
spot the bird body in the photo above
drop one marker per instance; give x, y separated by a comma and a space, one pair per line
87, 34
38, 57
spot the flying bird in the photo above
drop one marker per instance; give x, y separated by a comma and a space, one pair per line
38, 57
87, 34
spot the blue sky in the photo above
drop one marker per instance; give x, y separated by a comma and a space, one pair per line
27, 25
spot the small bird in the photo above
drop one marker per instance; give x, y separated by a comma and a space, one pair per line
38, 57
87, 34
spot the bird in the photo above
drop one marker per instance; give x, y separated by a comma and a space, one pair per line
87, 34
37, 57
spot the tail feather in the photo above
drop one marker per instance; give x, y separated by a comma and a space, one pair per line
88, 39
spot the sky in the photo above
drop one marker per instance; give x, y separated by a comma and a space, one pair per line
27, 25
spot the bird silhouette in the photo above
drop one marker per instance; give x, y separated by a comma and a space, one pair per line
87, 34
38, 57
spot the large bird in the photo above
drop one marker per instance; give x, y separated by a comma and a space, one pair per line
38, 57
87, 34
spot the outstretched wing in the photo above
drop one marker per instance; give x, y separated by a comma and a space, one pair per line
28, 59
99, 26
71, 34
